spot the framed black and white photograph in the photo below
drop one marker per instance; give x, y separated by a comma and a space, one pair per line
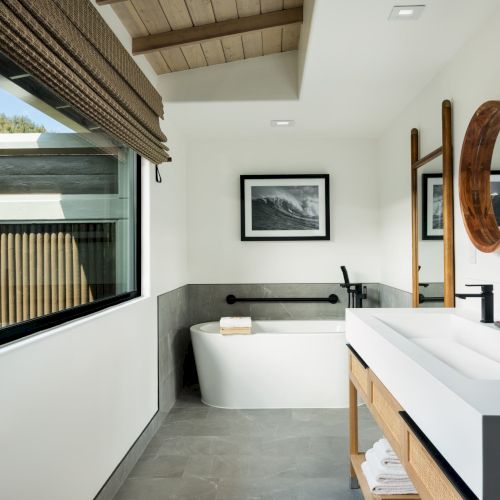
285, 207
432, 206
495, 193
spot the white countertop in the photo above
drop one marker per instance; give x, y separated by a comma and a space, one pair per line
482, 394
443, 367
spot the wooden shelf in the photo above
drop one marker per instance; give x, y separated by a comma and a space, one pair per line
356, 461
432, 476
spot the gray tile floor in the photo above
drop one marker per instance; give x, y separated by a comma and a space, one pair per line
204, 453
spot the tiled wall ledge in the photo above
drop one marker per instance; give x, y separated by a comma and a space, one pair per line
393, 297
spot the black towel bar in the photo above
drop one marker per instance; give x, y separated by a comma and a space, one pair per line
332, 299
423, 299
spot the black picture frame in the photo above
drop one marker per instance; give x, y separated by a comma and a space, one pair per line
325, 208
496, 206
426, 210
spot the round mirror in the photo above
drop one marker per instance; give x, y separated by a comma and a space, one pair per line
479, 178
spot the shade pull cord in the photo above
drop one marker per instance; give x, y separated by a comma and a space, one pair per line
158, 175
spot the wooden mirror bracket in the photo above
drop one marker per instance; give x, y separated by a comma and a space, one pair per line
474, 177
446, 151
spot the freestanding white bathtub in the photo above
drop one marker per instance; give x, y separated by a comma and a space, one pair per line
282, 364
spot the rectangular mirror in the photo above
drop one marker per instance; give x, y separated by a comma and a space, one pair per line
433, 263
430, 241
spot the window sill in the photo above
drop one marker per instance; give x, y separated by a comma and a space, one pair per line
16, 335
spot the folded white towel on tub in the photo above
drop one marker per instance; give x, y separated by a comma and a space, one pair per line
236, 322
401, 487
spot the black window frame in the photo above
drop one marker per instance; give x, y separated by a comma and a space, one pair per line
13, 333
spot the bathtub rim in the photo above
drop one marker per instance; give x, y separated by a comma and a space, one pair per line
197, 328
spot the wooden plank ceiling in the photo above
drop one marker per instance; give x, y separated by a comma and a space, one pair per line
177, 35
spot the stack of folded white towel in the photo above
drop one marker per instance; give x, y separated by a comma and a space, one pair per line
232, 325
383, 471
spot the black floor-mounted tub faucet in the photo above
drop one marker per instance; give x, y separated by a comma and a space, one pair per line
356, 292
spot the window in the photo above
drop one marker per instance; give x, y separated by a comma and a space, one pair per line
69, 221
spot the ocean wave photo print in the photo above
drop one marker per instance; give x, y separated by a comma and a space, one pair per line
432, 207
285, 207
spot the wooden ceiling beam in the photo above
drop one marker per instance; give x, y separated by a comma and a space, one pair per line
197, 34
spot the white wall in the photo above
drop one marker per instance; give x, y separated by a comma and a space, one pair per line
470, 78
168, 219
270, 78
74, 399
216, 254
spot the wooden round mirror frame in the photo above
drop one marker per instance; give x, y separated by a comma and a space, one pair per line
474, 177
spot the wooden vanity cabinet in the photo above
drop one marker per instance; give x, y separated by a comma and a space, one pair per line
427, 475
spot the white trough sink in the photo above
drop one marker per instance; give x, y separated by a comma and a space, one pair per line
471, 349
444, 369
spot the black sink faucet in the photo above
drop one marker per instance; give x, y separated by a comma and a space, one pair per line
486, 297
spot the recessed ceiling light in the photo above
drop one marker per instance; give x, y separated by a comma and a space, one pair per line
282, 123
406, 12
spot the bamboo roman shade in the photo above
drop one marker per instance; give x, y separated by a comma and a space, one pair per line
68, 46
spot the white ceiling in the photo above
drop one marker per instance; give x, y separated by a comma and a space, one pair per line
359, 72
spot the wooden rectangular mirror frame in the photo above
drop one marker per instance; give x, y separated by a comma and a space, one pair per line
446, 151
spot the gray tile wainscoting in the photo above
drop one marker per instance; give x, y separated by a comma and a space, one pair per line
433, 290
174, 320
208, 302
393, 297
